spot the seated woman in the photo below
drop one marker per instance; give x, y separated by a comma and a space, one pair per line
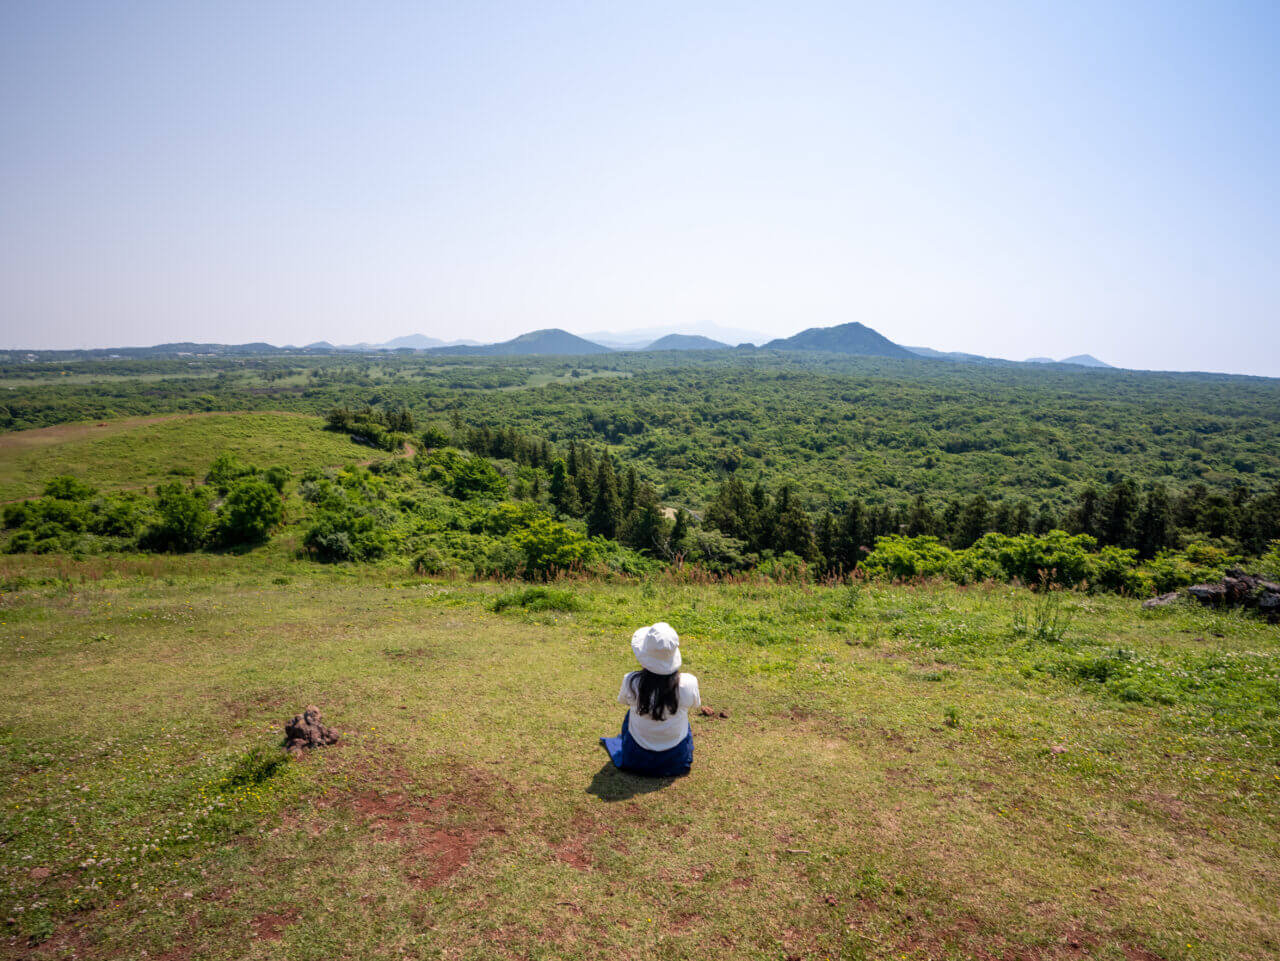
656, 738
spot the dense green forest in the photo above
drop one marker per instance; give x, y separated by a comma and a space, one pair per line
729, 459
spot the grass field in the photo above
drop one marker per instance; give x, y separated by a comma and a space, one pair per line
138, 451
904, 772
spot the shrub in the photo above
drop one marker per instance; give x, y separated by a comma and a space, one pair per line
252, 508
538, 599
436, 435
225, 470
897, 557
278, 477
68, 488
344, 536
551, 546
430, 562
464, 476
184, 519
1270, 563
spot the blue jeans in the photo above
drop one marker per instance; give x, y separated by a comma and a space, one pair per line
627, 755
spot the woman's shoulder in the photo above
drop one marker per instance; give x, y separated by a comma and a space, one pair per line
688, 680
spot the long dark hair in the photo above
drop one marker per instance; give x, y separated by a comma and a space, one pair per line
656, 695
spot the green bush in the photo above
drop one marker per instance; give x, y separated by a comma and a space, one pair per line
538, 599
68, 488
183, 519
897, 556
550, 546
344, 536
252, 509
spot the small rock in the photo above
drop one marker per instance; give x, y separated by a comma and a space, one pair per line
1057, 749
707, 712
1208, 593
1164, 600
39, 874
307, 730
724, 713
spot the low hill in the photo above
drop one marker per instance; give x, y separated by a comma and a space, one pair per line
1085, 360
550, 341
947, 354
686, 342
132, 452
1080, 360
854, 338
416, 341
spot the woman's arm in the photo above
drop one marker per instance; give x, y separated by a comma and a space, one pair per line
626, 695
690, 694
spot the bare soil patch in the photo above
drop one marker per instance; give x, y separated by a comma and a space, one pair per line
438, 830
270, 925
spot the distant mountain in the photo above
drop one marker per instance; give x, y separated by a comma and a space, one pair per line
553, 341
1080, 360
641, 339
686, 342
945, 354
416, 341
851, 338
1085, 360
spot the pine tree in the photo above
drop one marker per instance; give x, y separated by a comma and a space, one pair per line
974, 522
851, 535
680, 532
1021, 519
792, 528
1154, 527
920, 519
586, 476
826, 534
732, 511
1045, 521
564, 493
1003, 520
1084, 518
606, 508
629, 484
1119, 510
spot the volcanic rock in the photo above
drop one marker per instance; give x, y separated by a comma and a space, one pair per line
307, 730
1164, 600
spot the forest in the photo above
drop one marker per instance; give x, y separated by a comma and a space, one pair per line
790, 465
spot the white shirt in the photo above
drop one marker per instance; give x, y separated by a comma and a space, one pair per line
670, 731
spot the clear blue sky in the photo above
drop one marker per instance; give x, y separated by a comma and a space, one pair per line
1008, 179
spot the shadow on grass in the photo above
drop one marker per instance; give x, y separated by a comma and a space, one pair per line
610, 784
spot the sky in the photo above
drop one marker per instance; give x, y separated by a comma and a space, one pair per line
1009, 179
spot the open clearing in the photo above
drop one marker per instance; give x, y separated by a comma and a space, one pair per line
138, 451
470, 813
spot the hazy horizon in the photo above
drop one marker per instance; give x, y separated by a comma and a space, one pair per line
1004, 181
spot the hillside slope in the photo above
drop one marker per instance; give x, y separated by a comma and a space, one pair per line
867, 793
536, 342
854, 338
686, 342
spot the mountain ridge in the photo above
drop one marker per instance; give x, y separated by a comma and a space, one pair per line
550, 340
850, 338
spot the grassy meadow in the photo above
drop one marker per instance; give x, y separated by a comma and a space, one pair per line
133, 452
903, 772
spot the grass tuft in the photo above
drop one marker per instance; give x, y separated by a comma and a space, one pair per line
538, 599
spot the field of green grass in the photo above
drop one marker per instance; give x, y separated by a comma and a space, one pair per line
133, 452
903, 772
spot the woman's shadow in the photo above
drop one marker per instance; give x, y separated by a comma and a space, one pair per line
610, 784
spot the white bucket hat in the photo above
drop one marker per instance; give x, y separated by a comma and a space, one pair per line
657, 648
